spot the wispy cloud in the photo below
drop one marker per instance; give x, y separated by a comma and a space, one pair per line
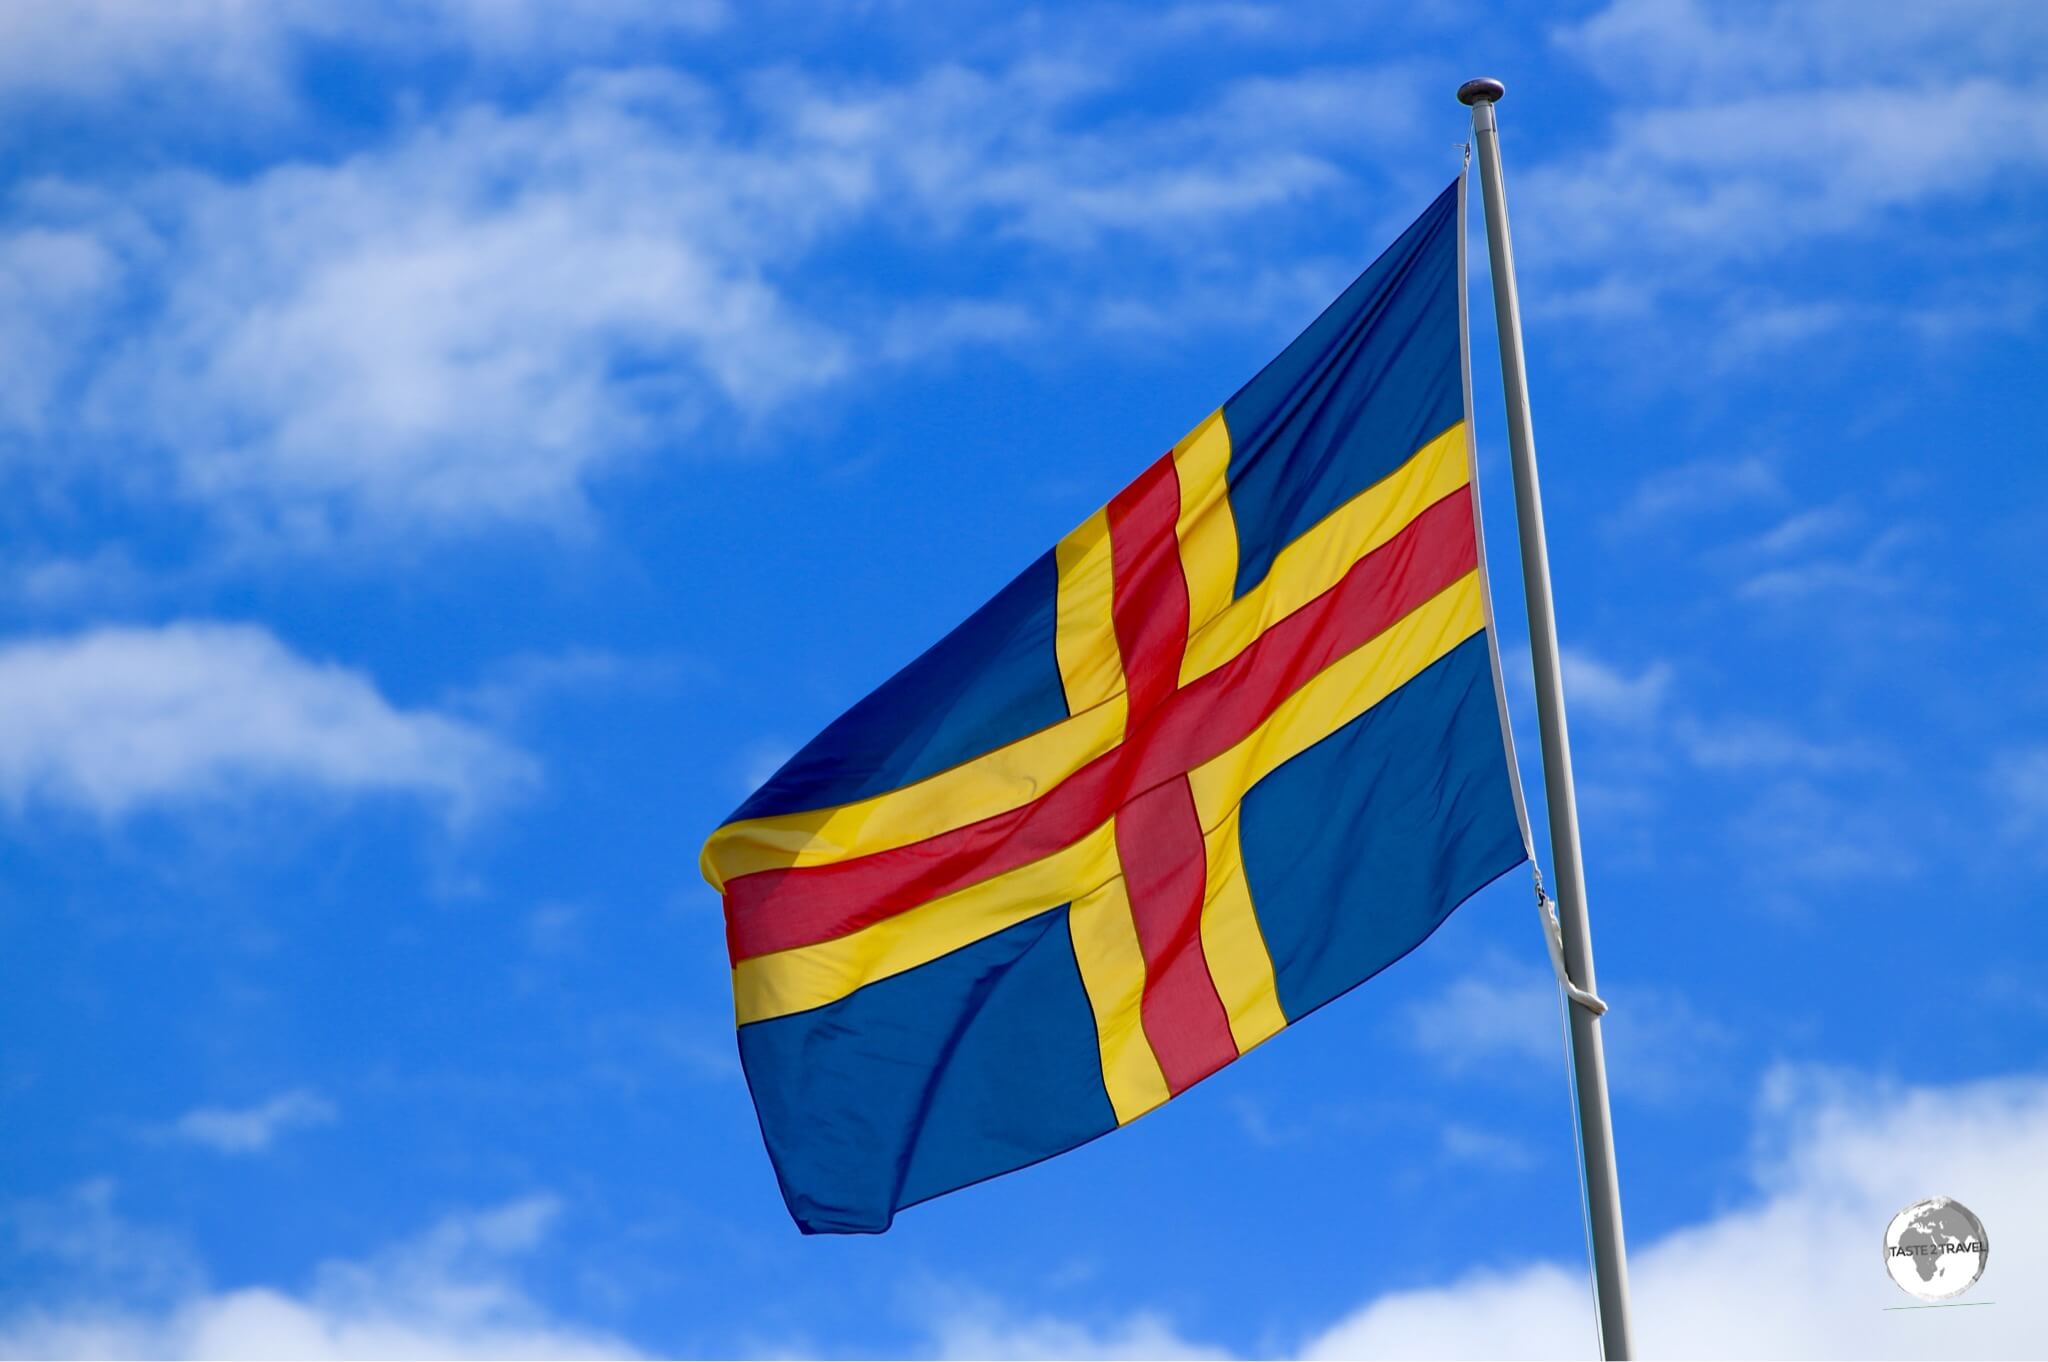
1486, 1149
1763, 745
53, 281
1698, 488
1777, 128
1502, 1020
759, 760
1798, 829
1802, 809
1013, 148
515, 685
90, 51
470, 321
251, 1130
1874, 567
1698, 51
1503, 1014
1801, 530
2019, 781
968, 1324
105, 577
1611, 694
119, 718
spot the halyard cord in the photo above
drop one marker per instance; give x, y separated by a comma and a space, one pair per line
1546, 907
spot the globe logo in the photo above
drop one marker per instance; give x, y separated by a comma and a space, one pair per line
1936, 1248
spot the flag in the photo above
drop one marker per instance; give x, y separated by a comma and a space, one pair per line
1230, 748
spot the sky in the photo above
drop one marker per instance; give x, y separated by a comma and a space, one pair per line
451, 452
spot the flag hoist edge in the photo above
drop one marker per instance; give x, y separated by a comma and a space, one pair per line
1231, 748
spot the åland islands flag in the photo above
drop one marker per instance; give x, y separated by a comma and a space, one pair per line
1232, 747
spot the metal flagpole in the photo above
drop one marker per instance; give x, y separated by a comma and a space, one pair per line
1589, 1063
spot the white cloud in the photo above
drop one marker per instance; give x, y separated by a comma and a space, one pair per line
1549, 1306
118, 718
470, 322
1841, 1156
1788, 1267
451, 1292
250, 1130
465, 326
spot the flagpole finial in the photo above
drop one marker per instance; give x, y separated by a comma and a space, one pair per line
1485, 87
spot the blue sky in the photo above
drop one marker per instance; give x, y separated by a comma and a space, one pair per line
451, 452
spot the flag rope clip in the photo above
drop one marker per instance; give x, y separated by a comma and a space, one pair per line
1553, 937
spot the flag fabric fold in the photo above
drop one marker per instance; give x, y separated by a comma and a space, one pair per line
1232, 747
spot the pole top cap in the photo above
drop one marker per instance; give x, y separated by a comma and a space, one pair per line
1484, 87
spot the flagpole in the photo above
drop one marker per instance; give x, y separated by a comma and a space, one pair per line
1589, 1064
